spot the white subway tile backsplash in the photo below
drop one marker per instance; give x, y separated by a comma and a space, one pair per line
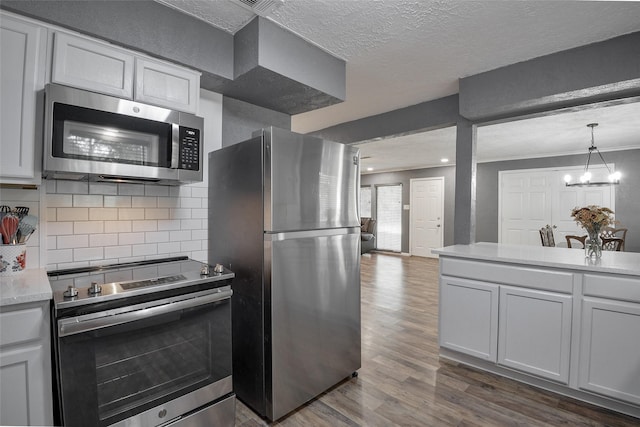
72, 187
156, 213
144, 202
117, 201
130, 214
59, 200
103, 240
59, 228
120, 251
52, 242
190, 202
191, 245
200, 192
168, 224
103, 214
199, 213
168, 202
88, 254
57, 256
130, 238
52, 214
88, 227
190, 224
50, 186
117, 226
74, 241
178, 236
131, 189
72, 214
103, 188
144, 225
156, 236
180, 213
87, 200
146, 249
166, 248
156, 190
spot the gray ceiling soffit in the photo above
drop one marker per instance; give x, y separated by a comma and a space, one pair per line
162, 32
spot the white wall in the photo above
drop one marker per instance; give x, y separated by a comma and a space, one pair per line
103, 223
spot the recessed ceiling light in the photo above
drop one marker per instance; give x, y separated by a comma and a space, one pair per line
444, 160
369, 169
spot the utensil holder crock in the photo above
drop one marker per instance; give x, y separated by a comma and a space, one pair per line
13, 259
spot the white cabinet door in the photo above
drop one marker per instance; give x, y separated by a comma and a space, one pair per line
22, 59
610, 349
166, 85
535, 332
25, 365
92, 65
469, 317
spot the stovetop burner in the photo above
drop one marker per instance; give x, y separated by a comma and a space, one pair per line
99, 284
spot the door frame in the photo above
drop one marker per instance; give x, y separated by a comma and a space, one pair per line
375, 187
411, 183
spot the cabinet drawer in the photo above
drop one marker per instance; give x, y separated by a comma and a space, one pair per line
548, 280
612, 287
22, 324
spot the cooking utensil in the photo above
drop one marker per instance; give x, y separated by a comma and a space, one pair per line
27, 226
21, 211
9, 226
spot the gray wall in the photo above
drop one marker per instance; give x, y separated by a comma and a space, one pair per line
627, 194
404, 178
240, 119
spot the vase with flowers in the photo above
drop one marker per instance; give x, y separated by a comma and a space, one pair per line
593, 218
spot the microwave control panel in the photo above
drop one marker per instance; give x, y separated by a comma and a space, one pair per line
189, 148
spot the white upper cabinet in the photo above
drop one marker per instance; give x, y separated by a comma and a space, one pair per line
100, 67
91, 65
22, 71
167, 85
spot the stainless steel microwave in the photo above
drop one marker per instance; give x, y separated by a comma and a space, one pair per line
103, 138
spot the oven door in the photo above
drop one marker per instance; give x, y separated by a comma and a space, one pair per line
156, 360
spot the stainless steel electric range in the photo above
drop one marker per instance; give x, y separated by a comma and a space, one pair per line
143, 344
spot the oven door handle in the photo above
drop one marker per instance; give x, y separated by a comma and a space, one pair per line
78, 325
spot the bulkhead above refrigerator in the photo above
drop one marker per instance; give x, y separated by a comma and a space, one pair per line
103, 138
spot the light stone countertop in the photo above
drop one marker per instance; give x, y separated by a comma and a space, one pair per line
611, 262
29, 286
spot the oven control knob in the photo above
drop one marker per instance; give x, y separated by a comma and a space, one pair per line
218, 268
95, 288
71, 292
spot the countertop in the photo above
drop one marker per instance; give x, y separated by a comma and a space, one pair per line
29, 286
611, 262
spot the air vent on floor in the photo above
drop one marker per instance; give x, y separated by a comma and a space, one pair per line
260, 7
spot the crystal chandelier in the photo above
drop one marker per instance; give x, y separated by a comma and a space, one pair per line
585, 179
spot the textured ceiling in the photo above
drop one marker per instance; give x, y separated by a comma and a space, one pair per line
404, 52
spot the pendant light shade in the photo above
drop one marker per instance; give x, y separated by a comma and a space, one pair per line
585, 178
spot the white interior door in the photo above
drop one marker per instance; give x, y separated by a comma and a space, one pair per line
426, 216
530, 199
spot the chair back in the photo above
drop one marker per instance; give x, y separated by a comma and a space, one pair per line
612, 244
610, 232
546, 236
578, 239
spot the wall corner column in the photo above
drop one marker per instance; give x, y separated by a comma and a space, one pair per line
465, 195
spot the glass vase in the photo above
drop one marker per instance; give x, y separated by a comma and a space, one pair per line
593, 246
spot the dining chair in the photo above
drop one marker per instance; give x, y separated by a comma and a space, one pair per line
546, 236
612, 244
580, 239
610, 232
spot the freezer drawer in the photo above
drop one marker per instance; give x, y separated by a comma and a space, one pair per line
315, 316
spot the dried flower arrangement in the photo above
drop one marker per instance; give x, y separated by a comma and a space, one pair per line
593, 218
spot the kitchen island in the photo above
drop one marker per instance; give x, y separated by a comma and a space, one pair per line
547, 317
25, 349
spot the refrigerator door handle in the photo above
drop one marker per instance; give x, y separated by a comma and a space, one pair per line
273, 237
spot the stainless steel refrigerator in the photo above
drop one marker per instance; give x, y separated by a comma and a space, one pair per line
283, 215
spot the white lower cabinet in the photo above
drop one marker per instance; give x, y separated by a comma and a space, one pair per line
469, 317
610, 349
25, 365
534, 332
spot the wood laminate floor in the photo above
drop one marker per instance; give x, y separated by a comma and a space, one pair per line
403, 382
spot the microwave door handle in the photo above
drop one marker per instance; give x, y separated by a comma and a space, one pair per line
74, 325
175, 146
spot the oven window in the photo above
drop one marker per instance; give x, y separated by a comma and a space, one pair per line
113, 373
82, 133
150, 364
